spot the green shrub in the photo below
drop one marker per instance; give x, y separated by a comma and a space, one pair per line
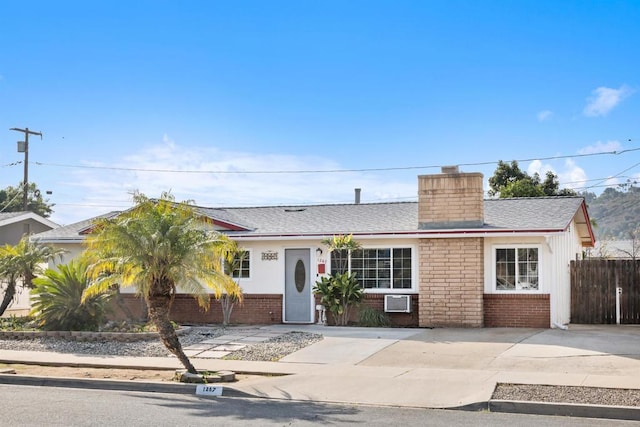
371, 317
16, 323
57, 300
339, 293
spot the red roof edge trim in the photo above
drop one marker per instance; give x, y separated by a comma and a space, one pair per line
227, 225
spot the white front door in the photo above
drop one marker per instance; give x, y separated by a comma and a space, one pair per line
298, 301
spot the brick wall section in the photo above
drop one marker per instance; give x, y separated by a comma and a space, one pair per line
452, 200
517, 311
451, 282
255, 309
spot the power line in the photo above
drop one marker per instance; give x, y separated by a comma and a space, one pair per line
313, 171
614, 176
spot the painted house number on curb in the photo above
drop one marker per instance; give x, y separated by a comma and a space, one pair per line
208, 390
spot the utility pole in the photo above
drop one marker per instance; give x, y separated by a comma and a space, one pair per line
25, 184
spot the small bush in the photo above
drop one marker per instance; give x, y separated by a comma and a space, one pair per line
57, 300
17, 323
371, 317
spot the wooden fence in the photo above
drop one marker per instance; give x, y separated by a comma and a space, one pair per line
593, 291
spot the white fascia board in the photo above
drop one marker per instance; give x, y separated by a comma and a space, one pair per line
401, 235
57, 240
29, 215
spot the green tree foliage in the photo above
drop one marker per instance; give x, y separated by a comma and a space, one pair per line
57, 300
156, 247
509, 180
11, 200
19, 265
616, 211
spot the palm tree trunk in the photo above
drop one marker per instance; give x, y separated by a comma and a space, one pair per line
226, 302
158, 309
9, 293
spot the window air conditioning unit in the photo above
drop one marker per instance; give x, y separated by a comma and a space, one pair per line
397, 303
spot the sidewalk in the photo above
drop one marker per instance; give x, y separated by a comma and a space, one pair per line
430, 368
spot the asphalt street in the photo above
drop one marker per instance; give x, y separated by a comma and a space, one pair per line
47, 406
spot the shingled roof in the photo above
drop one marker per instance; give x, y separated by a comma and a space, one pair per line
536, 215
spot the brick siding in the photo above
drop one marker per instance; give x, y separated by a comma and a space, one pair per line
446, 200
255, 309
376, 301
517, 311
451, 282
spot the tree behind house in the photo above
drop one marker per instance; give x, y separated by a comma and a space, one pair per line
11, 200
509, 180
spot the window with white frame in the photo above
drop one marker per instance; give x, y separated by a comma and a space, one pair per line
517, 269
376, 268
240, 267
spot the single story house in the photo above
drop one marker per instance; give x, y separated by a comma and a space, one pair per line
14, 225
451, 259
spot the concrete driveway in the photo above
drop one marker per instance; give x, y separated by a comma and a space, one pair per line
452, 367
583, 349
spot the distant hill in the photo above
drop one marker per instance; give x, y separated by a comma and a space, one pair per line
616, 213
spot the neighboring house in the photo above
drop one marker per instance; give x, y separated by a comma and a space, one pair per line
450, 259
14, 225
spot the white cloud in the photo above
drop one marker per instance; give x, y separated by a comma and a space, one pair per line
604, 99
572, 176
98, 191
545, 115
610, 182
601, 147
536, 166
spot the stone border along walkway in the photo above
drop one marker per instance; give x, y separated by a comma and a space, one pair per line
221, 346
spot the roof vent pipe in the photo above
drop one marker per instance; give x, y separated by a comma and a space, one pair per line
358, 190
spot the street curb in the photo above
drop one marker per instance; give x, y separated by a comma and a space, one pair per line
506, 406
565, 409
116, 385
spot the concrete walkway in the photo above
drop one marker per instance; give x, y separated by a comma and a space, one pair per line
431, 368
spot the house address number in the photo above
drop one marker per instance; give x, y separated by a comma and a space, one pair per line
208, 390
269, 256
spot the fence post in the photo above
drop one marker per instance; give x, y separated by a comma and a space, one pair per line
618, 293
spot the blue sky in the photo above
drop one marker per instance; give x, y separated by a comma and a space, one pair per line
218, 92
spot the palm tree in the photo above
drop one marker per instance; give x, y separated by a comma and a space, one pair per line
156, 247
23, 262
232, 292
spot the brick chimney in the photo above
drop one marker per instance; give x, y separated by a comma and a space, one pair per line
451, 199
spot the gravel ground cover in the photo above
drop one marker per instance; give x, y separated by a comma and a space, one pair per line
567, 394
271, 350
278, 347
